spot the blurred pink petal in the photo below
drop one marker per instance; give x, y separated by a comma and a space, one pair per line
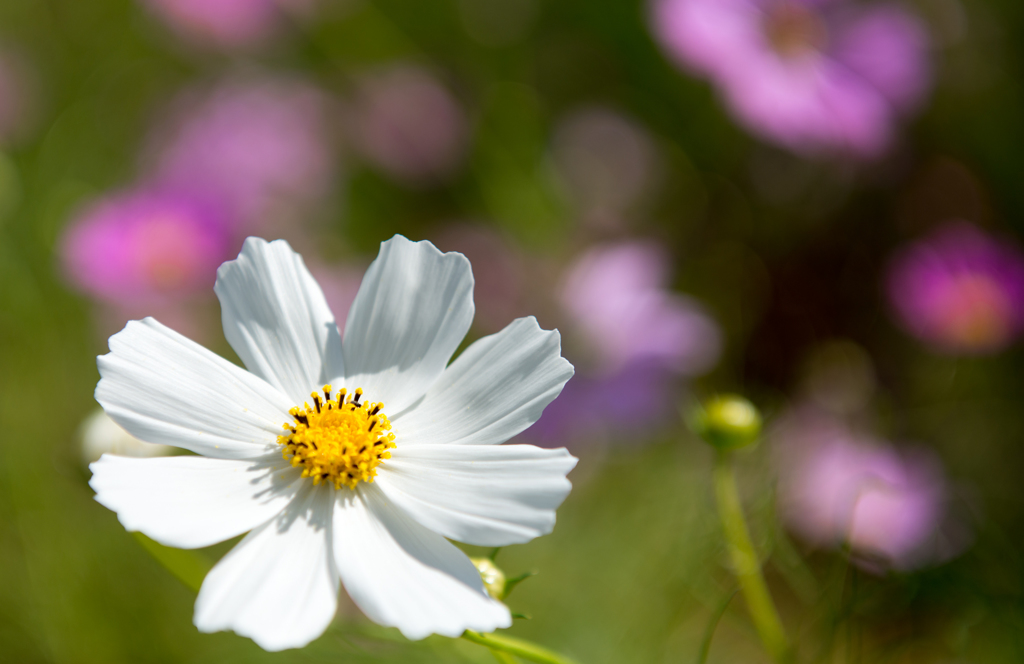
606, 161
888, 48
499, 272
959, 290
407, 123
838, 487
616, 295
226, 23
814, 77
142, 246
340, 283
249, 143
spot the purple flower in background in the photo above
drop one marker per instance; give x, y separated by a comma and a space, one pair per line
499, 273
226, 23
960, 290
837, 487
407, 123
249, 144
145, 246
616, 296
606, 161
340, 284
815, 76
634, 400
642, 338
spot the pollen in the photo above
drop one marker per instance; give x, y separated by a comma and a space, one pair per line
338, 439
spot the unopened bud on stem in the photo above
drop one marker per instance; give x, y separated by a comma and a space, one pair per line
727, 422
493, 577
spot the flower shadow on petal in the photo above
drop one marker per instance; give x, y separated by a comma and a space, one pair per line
310, 505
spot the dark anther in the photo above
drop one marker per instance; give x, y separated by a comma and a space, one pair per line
355, 399
303, 419
314, 445
316, 401
362, 449
371, 426
376, 409
327, 395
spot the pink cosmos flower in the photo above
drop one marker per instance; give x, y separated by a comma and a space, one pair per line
145, 246
616, 294
225, 23
248, 143
839, 487
642, 339
960, 290
407, 123
814, 76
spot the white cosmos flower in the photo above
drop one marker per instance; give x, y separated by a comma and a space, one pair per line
309, 530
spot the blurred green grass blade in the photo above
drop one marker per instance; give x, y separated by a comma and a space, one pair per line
189, 566
709, 633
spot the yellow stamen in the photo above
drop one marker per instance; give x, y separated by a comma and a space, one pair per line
341, 441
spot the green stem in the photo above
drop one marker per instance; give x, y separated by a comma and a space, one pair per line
517, 647
504, 657
746, 564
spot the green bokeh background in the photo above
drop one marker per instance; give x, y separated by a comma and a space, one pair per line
635, 568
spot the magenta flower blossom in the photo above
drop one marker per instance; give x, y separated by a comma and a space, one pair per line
225, 23
249, 144
837, 487
408, 124
145, 246
959, 290
616, 296
814, 76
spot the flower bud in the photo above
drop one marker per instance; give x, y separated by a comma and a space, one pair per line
493, 577
727, 422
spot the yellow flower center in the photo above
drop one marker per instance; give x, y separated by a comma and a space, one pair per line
339, 440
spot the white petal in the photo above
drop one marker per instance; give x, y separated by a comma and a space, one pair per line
495, 389
412, 311
164, 388
278, 586
190, 501
489, 495
277, 320
402, 575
